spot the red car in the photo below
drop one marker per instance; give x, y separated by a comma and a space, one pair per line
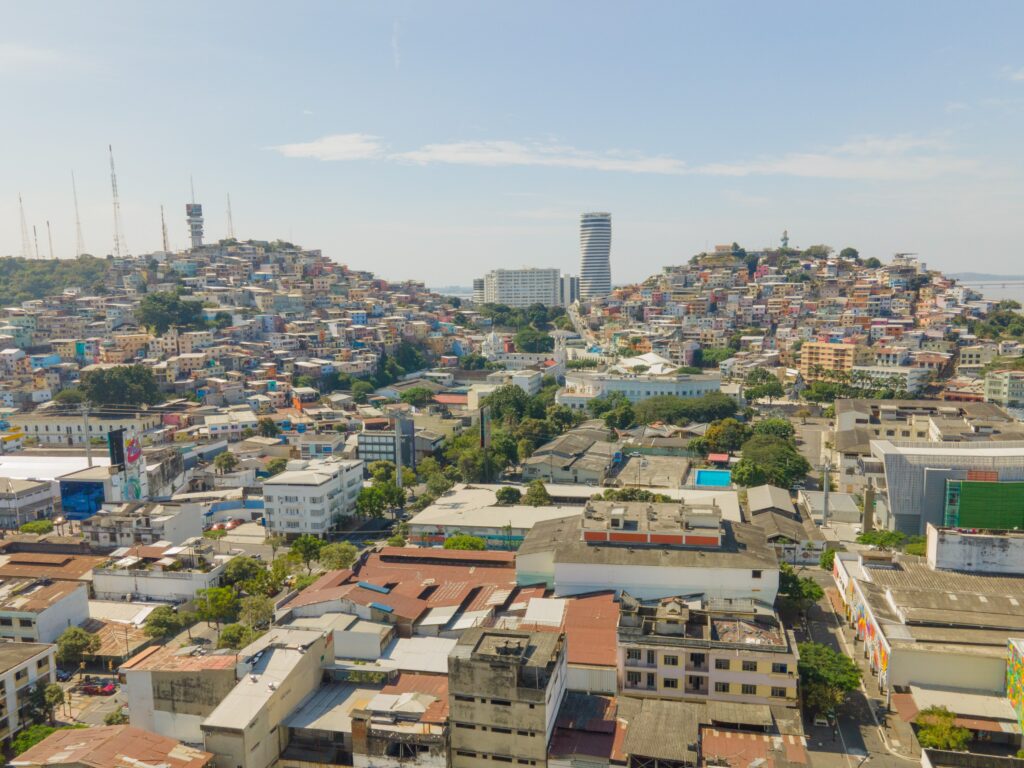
91, 689
232, 524
217, 527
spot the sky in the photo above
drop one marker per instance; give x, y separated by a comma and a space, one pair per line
437, 140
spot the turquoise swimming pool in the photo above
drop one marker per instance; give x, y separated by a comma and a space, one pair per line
713, 478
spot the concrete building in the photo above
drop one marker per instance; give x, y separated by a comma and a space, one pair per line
976, 551
71, 430
570, 289
718, 650
581, 387
1005, 388
111, 746
595, 255
916, 476
819, 358
22, 666
650, 551
22, 501
39, 610
126, 525
523, 287
171, 690
161, 571
909, 378
505, 689
274, 674
308, 496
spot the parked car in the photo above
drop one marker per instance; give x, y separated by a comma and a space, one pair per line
230, 525
217, 527
63, 675
95, 689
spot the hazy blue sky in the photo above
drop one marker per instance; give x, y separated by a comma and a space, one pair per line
439, 139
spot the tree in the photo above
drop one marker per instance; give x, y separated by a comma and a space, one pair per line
236, 636
116, 717
532, 340
162, 621
465, 541
748, 474
798, 591
256, 611
276, 466
225, 462
850, 254
827, 558
307, 549
394, 497
39, 527
937, 729
537, 495
53, 696
163, 309
74, 644
887, 540
381, 471
396, 541
335, 557
872, 263
70, 396
508, 403
762, 383
621, 417
361, 390
370, 502
438, 484
241, 568
632, 494
780, 428
725, 436
29, 737
916, 545
710, 358
599, 406
766, 458
827, 676
216, 605
418, 397
275, 542
508, 495
267, 428
122, 385
817, 252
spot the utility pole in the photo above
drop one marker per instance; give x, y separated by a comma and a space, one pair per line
79, 240
49, 236
825, 484
85, 432
119, 242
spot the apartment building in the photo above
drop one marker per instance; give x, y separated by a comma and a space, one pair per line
22, 667
38, 610
126, 525
73, 430
22, 501
1005, 388
523, 287
505, 688
726, 650
309, 495
819, 358
582, 387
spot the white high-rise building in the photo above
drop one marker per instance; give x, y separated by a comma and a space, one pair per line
595, 255
523, 287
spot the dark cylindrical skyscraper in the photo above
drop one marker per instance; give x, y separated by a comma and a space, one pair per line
595, 255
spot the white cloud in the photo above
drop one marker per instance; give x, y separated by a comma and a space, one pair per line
494, 154
16, 57
869, 157
338, 146
1016, 74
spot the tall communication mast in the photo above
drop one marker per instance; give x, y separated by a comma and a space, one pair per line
119, 242
49, 236
163, 228
79, 240
35, 237
231, 223
26, 246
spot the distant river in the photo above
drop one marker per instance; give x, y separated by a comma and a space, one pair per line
999, 292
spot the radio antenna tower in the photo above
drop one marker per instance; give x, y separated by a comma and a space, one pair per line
79, 240
119, 242
231, 223
163, 228
26, 247
49, 236
35, 237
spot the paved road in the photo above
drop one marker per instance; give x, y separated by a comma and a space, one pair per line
859, 737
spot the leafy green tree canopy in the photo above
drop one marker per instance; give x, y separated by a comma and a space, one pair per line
465, 541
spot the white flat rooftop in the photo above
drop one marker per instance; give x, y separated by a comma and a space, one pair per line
23, 466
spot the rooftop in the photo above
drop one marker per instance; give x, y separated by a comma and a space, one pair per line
12, 654
112, 746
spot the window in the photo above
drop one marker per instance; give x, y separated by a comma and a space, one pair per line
778, 693
633, 678
525, 733
750, 666
459, 697
651, 657
721, 663
780, 669
501, 703
496, 729
650, 679
42, 663
669, 682
721, 687
748, 690
670, 661
6, 621
463, 753
632, 654
501, 758
24, 622
755, 574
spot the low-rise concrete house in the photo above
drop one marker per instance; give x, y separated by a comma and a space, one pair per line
111, 746
39, 610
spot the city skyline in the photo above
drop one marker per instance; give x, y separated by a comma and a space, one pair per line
396, 137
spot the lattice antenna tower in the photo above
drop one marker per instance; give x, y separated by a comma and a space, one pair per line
79, 240
119, 241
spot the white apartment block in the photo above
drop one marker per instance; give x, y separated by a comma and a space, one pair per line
22, 667
307, 496
582, 387
73, 431
523, 287
1006, 388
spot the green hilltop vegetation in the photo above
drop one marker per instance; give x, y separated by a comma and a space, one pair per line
26, 279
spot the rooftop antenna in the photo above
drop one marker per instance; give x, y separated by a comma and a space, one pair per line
163, 228
192, 185
26, 247
231, 223
119, 242
79, 240
35, 237
49, 236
